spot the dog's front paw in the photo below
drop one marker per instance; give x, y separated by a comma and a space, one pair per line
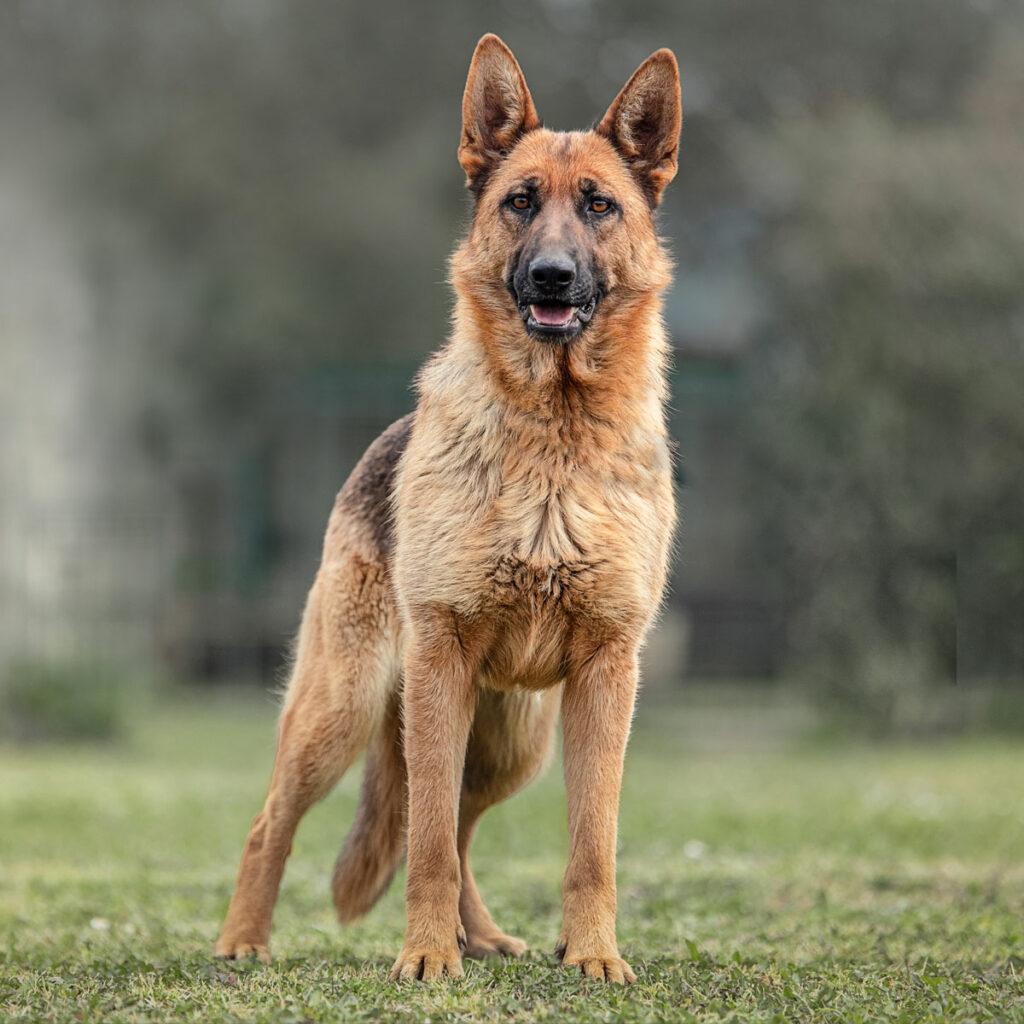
228, 948
601, 965
427, 963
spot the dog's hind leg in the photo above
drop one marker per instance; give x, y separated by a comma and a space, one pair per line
509, 745
346, 669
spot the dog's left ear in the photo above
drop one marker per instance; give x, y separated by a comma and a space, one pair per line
497, 109
644, 120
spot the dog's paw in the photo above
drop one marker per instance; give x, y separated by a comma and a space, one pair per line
232, 949
422, 963
600, 966
492, 943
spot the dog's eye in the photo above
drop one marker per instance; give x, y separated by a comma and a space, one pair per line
520, 202
600, 206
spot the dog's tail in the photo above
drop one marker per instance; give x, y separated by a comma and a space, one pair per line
375, 845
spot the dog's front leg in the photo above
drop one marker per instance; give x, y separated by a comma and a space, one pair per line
440, 698
597, 707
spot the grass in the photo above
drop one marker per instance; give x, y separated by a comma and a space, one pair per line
761, 879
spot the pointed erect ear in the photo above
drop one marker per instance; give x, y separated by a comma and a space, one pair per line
643, 123
497, 109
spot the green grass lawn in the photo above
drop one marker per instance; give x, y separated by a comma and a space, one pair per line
760, 879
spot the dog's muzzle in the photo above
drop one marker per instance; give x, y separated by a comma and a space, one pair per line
555, 296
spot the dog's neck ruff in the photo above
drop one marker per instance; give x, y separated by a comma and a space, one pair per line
612, 377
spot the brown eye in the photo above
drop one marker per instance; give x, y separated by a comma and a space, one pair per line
520, 202
599, 206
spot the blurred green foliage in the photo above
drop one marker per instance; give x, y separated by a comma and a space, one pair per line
887, 428
42, 701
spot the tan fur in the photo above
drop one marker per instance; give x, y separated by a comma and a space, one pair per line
497, 556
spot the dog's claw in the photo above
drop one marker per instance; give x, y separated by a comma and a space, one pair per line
242, 951
608, 967
420, 964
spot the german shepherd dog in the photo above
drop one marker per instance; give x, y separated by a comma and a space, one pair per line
500, 553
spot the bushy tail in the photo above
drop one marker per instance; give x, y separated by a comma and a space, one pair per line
375, 845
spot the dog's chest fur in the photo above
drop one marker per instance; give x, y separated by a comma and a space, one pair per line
535, 525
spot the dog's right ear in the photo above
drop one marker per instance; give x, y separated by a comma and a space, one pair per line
497, 110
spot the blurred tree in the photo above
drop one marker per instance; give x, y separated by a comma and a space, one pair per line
888, 420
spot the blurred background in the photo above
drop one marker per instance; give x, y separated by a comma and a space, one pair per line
224, 229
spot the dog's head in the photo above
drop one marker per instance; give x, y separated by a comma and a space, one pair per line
563, 220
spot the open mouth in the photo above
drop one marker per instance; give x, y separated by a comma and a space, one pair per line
558, 319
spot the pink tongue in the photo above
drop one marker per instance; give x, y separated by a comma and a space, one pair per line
552, 316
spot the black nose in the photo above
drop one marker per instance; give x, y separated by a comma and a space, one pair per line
552, 273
